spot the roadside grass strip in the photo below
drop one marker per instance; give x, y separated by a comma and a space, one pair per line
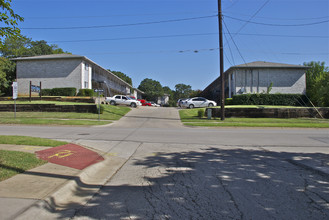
14, 162
189, 117
44, 121
30, 141
110, 113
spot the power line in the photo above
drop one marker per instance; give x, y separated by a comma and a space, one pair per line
234, 43
120, 15
185, 35
283, 25
284, 19
197, 51
135, 38
249, 20
118, 25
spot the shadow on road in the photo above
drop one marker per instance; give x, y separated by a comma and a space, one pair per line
213, 184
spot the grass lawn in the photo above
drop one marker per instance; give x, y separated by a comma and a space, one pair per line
14, 162
64, 118
190, 117
32, 141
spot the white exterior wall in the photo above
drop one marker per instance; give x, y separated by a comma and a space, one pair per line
51, 73
287, 81
77, 72
86, 70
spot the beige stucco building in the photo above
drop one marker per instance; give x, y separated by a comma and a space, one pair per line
67, 70
258, 77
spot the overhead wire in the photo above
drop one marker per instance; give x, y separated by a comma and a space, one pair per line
117, 25
283, 19
279, 25
249, 20
184, 35
236, 46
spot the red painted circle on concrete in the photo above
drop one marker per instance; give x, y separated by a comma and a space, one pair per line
70, 155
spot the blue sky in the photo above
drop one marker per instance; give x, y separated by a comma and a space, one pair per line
176, 41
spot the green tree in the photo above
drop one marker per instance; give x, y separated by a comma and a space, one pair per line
317, 81
7, 75
15, 47
167, 90
8, 21
195, 93
23, 46
171, 93
152, 89
182, 91
123, 76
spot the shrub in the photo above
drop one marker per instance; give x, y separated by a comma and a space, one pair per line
101, 109
201, 113
68, 91
46, 92
86, 92
228, 101
270, 99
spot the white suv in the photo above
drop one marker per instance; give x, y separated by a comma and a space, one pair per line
123, 100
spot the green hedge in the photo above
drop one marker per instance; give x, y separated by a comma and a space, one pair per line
86, 92
46, 92
68, 91
270, 99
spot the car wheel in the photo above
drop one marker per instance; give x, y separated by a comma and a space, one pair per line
191, 106
112, 102
133, 105
210, 105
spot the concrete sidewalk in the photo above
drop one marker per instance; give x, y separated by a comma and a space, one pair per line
53, 191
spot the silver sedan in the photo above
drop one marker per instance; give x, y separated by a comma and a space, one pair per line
198, 102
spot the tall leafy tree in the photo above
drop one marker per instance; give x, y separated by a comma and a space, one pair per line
8, 21
123, 76
152, 88
23, 46
182, 91
317, 83
7, 75
195, 93
16, 47
171, 93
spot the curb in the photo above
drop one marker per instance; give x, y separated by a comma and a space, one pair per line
75, 192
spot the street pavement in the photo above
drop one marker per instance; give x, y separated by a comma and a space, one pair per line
155, 168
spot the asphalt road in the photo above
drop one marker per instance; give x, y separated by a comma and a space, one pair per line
176, 172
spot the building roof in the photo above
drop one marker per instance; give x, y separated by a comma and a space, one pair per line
263, 64
49, 57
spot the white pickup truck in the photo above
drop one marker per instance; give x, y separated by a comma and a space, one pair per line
123, 100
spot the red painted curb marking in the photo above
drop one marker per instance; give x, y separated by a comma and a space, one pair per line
70, 155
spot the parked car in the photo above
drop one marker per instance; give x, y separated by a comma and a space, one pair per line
144, 102
154, 104
123, 100
198, 102
179, 102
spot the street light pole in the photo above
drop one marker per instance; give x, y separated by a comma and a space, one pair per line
221, 61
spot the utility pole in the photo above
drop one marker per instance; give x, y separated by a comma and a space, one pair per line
221, 61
